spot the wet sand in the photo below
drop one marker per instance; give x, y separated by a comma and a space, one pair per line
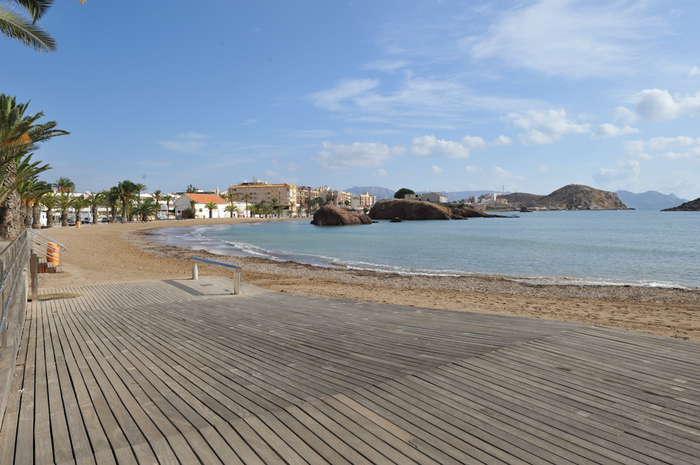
126, 252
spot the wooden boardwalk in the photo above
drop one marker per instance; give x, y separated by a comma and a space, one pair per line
182, 372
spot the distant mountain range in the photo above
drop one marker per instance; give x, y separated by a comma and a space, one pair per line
650, 200
379, 192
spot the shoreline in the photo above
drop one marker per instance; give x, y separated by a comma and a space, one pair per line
133, 255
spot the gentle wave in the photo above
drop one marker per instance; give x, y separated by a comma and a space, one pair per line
194, 238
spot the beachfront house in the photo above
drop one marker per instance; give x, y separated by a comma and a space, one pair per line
200, 205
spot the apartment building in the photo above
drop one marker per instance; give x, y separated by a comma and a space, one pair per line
258, 191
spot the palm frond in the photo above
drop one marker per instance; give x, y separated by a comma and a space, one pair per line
15, 26
35, 8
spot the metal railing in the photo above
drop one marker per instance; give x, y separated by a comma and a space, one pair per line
236, 269
45, 246
12, 263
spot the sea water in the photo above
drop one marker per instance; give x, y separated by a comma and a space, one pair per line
648, 248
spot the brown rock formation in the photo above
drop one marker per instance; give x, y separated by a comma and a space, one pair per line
572, 196
330, 215
408, 210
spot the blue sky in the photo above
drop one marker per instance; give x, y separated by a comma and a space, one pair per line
525, 95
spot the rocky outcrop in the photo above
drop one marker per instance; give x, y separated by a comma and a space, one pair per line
573, 196
330, 215
402, 209
692, 206
461, 213
408, 210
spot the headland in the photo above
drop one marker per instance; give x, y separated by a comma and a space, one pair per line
105, 253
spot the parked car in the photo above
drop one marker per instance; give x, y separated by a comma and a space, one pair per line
106, 220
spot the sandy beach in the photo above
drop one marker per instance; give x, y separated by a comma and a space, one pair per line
125, 252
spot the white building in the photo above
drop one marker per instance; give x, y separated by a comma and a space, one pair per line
200, 201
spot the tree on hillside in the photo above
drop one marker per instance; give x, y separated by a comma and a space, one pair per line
401, 193
16, 26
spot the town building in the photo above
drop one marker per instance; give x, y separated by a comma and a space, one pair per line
433, 197
258, 191
200, 205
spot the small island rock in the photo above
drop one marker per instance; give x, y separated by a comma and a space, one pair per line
331, 215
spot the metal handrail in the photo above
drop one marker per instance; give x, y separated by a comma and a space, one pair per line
236, 269
43, 248
12, 259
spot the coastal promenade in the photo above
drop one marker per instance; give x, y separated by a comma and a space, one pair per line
181, 371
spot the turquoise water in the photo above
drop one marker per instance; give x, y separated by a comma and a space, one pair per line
612, 247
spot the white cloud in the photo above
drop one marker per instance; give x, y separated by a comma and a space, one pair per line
545, 127
543, 169
610, 130
662, 145
503, 140
694, 71
250, 121
659, 105
625, 115
381, 172
426, 146
502, 178
472, 169
626, 170
389, 66
193, 135
189, 143
430, 145
436, 169
570, 37
357, 155
332, 99
292, 167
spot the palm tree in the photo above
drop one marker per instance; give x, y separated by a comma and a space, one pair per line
19, 135
148, 208
15, 26
157, 196
30, 192
79, 204
64, 185
95, 200
167, 198
49, 201
246, 197
231, 208
211, 206
64, 203
126, 191
191, 189
139, 188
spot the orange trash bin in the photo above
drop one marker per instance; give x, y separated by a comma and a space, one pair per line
52, 253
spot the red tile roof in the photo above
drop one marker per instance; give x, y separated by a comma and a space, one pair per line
205, 198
